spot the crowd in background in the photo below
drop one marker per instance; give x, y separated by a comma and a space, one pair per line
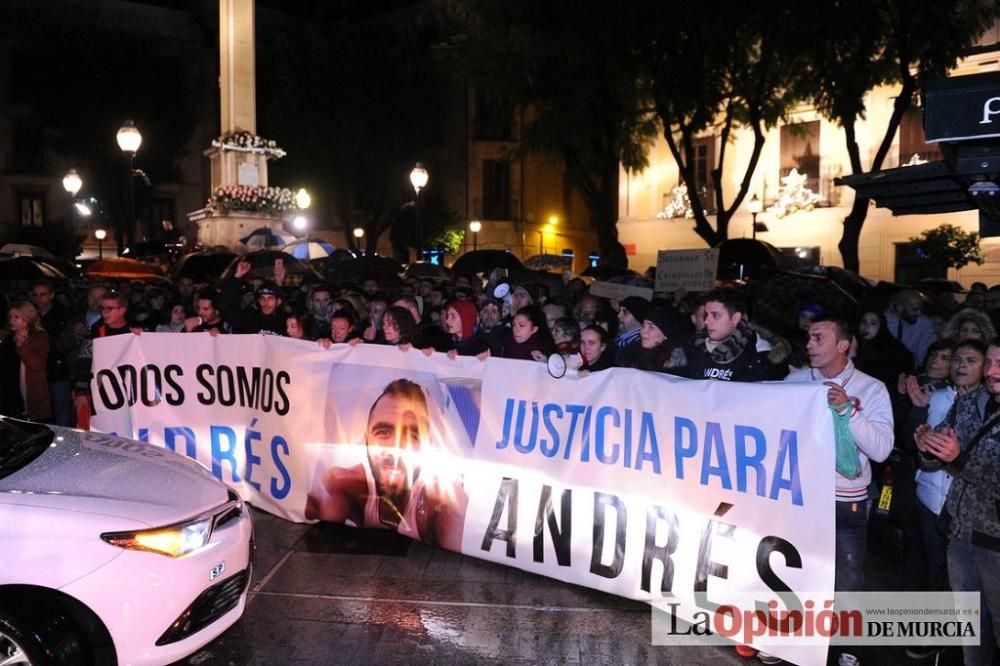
911, 382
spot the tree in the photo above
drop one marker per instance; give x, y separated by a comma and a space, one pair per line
948, 246
716, 67
901, 42
572, 65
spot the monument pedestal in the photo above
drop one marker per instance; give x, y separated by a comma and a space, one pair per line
226, 228
231, 166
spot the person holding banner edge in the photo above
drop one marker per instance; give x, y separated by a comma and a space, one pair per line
863, 429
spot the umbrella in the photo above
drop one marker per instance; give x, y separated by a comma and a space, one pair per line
545, 262
120, 268
849, 281
777, 297
425, 271
309, 248
202, 266
25, 250
607, 272
369, 266
28, 268
262, 266
740, 258
483, 261
265, 237
527, 276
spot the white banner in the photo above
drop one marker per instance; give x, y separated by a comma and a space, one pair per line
635, 483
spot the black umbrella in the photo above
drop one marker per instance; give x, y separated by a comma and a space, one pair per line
851, 282
426, 271
28, 268
777, 297
741, 258
202, 266
369, 266
483, 261
262, 266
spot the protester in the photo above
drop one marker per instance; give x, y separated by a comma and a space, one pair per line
632, 311
114, 321
55, 320
971, 510
909, 325
883, 357
460, 323
660, 344
208, 318
175, 323
24, 354
265, 316
594, 350
399, 328
969, 324
528, 336
727, 349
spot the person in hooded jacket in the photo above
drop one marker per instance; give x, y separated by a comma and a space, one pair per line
460, 324
660, 346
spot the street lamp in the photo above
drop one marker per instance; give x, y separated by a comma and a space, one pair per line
302, 199
300, 223
129, 140
756, 206
419, 178
359, 233
100, 235
475, 227
72, 182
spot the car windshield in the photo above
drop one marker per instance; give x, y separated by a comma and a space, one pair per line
20, 444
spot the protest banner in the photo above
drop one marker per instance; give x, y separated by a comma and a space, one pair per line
691, 270
616, 292
634, 483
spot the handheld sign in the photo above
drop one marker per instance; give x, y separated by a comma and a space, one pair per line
691, 270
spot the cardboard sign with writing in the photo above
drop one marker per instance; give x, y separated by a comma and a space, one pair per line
616, 292
692, 270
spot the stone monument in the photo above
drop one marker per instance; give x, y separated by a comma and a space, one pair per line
241, 200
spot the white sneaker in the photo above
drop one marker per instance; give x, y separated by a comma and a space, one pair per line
848, 660
767, 658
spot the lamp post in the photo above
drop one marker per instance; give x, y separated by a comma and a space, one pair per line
418, 178
129, 139
300, 223
475, 227
303, 199
100, 235
756, 206
359, 233
72, 182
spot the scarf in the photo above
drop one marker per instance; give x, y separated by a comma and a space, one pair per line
729, 348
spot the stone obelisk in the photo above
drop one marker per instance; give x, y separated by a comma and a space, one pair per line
238, 113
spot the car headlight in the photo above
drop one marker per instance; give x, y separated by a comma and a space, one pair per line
173, 541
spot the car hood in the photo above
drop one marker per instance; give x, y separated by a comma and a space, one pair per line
96, 473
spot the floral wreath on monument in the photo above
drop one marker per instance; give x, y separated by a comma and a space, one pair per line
247, 142
254, 199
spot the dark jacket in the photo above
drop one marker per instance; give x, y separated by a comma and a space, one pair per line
737, 359
85, 360
510, 348
251, 319
664, 357
55, 322
972, 509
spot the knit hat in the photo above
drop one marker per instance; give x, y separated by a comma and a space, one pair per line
670, 323
639, 307
532, 291
467, 313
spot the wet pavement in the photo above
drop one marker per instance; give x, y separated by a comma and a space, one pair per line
329, 594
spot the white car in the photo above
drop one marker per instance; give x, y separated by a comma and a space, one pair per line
113, 551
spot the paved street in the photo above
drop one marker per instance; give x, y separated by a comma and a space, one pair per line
328, 594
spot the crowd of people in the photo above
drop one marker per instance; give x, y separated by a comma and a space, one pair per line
915, 381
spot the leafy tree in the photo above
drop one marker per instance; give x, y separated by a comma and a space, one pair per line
901, 42
716, 67
948, 246
572, 65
